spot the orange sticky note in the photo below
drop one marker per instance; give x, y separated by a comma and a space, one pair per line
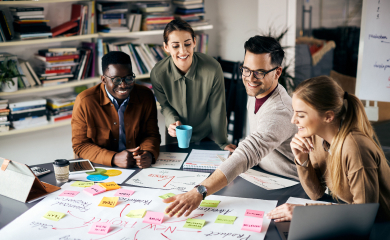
109, 202
109, 186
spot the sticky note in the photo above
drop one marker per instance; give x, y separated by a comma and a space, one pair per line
209, 203
194, 223
109, 186
168, 195
252, 224
108, 202
100, 228
68, 193
254, 213
124, 193
154, 218
54, 216
225, 219
95, 189
82, 184
140, 213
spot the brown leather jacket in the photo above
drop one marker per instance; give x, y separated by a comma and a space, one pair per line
95, 124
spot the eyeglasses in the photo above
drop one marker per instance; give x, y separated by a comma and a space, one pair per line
129, 79
258, 74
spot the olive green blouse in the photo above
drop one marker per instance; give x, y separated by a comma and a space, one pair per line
196, 99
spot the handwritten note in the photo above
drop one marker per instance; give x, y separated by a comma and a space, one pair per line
252, 224
54, 216
209, 203
82, 184
140, 213
69, 193
108, 202
95, 189
124, 193
225, 219
267, 181
109, 186
168, 195
154, 218
254, 213
170, 160
194, 223
100, 228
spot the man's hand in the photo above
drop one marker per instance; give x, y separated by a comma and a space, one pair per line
230, 147
283, 212
183, 203
144, 159
125, 158
172, 128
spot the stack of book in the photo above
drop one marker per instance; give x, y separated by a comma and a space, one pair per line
60, 107
143, 56
191, 11
4, 112
156, 15
30, 23
112, 17
27, 112
202, 43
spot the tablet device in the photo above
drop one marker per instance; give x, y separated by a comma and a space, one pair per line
80, 166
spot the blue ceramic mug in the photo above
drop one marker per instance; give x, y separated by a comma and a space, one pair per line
183, 133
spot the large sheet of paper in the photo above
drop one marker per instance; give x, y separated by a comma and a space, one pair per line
82, 212
205, 158
302, 201
167, 179
267, 181
171, 160
103, 175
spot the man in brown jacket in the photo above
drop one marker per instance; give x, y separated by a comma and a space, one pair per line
115, 122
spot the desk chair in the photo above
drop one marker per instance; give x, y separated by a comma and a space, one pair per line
236, 99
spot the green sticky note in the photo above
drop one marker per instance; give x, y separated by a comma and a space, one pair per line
82, 184
54, 216
209, 203
168, 195
194, 223
140, 213
225, 219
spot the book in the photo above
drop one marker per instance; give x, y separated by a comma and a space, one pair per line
205, 159
137, 23
16, 104
27, 13
5, 26
25, 9
92, 46
188, 11
63, 28
27, 73
33, 74
57, 58
32, 113
112, 7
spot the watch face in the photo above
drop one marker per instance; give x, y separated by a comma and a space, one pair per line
201, 189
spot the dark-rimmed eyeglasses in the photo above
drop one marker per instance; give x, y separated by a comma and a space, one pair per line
129, 79
246, 72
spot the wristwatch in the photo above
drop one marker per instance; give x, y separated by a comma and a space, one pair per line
202, 190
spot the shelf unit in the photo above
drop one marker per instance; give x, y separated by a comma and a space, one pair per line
37, 128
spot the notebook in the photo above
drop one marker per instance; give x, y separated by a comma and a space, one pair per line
205, 159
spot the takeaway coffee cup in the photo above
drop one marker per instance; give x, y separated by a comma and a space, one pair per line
61, 170
183, 133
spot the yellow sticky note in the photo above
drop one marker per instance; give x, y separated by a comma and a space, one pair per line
209, 203
140, 213
168, 195
109, 186
108, 202
82, 184
54, 216
194, 223
225, 219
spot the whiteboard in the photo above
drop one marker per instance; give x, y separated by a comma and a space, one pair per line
373, 76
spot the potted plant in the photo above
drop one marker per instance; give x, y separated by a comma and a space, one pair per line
9, 75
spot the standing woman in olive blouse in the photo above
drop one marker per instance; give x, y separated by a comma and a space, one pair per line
190, 87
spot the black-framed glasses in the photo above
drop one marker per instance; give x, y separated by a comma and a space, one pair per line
129, 79
246, 72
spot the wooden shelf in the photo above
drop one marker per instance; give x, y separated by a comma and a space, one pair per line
37, 128
47, 40
39, 1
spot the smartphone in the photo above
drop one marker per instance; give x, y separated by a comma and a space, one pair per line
80, 166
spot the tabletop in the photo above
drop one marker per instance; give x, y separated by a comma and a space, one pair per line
10, 209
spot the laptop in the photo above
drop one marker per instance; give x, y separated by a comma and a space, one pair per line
347, 221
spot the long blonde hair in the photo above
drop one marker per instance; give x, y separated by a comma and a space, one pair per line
324, 94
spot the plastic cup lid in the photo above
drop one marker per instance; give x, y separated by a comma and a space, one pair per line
61, 163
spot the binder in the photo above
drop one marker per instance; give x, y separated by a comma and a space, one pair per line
20, 183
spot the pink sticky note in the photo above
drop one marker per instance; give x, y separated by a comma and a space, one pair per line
100, 228
153, 218
95, 189
68, 193
124, 193
252, 224
254, 213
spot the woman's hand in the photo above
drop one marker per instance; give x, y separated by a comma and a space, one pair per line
300, 147
283, 212
172, 128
